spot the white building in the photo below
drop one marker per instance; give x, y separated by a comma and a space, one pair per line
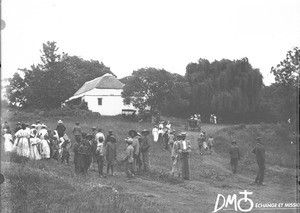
103, 95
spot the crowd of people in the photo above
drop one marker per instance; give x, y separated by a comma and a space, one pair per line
91, 151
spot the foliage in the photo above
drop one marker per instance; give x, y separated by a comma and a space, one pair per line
287, 83
229, 89
157, 89
56, 78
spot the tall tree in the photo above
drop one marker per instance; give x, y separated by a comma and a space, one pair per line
227, 88
287, 79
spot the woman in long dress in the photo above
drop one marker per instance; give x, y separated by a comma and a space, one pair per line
34, 153
22, 142
8, 141
45, 148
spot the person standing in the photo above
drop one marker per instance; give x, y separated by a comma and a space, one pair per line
109, 136
22, 142
129, 159
111, 154
60, 128
136, 146
100, 156
210, 143
155, 133
259, 151
8, 143
145, 145
175, 156
34, 152
77, 132
76, 160
45, 148
100, 135
185, 149
234, 152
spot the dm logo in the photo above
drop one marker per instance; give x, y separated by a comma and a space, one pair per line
238, 204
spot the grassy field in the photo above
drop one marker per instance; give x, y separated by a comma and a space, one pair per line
47, 186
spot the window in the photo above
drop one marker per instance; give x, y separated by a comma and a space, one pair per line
99, 101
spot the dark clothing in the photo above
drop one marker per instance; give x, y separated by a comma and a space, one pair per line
185, 165
75, 149
234, 164
234, 152
60, 130
77, 130
259, 152
166, 140
108, 138
100, 160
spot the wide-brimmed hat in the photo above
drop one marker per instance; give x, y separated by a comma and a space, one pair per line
76, 122
60, 122
89, 136
183, 133
43, 125
33, 125
129, 140
132, 132
94, 128
234, 141
145, 132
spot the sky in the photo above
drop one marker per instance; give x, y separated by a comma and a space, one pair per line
132, 34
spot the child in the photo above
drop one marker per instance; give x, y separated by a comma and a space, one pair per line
8, 143
129, 158
100, 156
75, 149
111, 154
84, 153
65, 150
210, 143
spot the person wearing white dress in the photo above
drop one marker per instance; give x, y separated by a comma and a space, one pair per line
8, 141
168, 125
155, 133
22, 142
34, 152
45, 148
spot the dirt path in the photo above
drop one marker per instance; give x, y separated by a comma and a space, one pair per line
200, 195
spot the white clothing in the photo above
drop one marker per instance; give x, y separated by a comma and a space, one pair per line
34, 153
45, 148
168, 126
99, 135
155, 134
8, 142
23, 142
43, 133
161, 126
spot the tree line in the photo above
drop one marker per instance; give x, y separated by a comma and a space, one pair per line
231, 89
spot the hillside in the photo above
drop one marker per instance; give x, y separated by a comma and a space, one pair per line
47, 186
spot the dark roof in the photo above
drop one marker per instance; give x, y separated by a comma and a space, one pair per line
106, 81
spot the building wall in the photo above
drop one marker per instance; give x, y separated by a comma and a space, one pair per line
112, 102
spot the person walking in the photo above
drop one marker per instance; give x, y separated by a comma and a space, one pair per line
77, 132
145, 145
234, 152
259, 151
185, 149
210, 143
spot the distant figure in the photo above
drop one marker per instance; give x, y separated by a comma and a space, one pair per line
210, 143
145, 145
8, 143
18, 127
161, 125
76, 160
129, 159
259, 152
185, 149
22, 142
136, 146
171, 140
34, 152
77, 132
111, 154
38, 127
6, 126
168, 125
175, 156
100, 135
109, 136
234, 152
45, 148
100, 156
84, 153
155, 133
60, 129
202, 142
215, 119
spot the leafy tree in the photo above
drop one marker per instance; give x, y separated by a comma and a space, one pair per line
155, 88
229, 89
287, 81
56, 78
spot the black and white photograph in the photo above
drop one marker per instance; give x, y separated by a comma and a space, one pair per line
139, 106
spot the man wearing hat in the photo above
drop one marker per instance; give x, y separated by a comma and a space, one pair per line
145, 145
184, 149
77, 132
259, 151
60, 128
234, 152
